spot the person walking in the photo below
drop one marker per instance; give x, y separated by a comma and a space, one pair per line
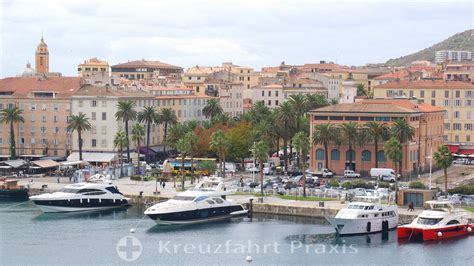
411, 206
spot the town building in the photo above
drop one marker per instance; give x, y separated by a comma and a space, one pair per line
42, 58
459, 72
46, 106
93, 67
451, 55
426, 119
145, 69
186, 106
455, 96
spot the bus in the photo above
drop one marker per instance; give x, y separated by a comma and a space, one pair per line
177, 164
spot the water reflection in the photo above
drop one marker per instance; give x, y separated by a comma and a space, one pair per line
334, 239
120, 213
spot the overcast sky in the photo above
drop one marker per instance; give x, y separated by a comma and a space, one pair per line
253, 33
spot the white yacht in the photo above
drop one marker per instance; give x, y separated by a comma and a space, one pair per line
365, 216
202, 203
98, 194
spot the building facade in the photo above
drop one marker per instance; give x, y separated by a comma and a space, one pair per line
459, 72
451, 55
93, 66
426, 119
145, 70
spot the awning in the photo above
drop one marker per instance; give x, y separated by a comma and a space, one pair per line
69, 163
31, 156
453, 148
97, 157
160, 148
466, 151
45, 163
143, 150
54, 158
13, 163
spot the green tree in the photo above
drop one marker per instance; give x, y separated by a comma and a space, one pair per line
12, 116
126, 113
298, 103
167, 117
212, 109
175, 133
259, 112
285, 116
361, 91
393, 150
138, 133
301, 142
404, 133
208, 166
260, 151
349, 133
183, 147
79, 123
334, 101
240, 141
314, 101
192, 140
323, 134
376, 132
219, 143
147, 116
443, 159
120, 141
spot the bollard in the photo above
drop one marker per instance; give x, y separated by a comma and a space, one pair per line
141, 194
250, 214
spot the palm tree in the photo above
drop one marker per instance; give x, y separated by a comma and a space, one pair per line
298, 102
138, 132
212, 109
350, 135
148, 116
79, 123
404, 133
301, 142
393, 150
219, 143
377, 131
120, 141
183, 147
443, 159
361, 91
285, 116
260, 152
314, 101
193, 140
12, 116
323, 134
259, 112
126, 113
167, 117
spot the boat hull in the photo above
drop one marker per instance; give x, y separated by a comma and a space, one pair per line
346, 227
427, 234
198, 215
20, 194
78, 205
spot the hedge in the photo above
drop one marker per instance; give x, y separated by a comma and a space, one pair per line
463, 189
416, 185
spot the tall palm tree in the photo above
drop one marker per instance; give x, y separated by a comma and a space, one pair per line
260, 152
193, 140
147, 116
350, 136
259, 112
301, 142
120, 141
12, 116
323, 134
79, 123
138, 132
212, 108
404, 133
285, 116
219, 143
183, 147
443, 159
167, 117
126, 113
298, 102
393, 149
376, 132
314, 101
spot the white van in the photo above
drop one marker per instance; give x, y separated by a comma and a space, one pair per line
386, 173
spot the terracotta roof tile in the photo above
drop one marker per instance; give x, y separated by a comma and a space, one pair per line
146, 63
22, 86
427, 84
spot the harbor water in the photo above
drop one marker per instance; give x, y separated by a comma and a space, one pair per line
28, 236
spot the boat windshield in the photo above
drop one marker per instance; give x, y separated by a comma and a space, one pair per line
429, 221
360, 207
69, 190
183, 198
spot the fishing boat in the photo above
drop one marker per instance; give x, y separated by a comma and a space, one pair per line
9, 189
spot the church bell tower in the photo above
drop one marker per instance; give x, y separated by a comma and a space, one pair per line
42, 58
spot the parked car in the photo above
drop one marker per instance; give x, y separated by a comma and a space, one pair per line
379, 172
461, 161
324, 173
252, 169
359, 191
351, 174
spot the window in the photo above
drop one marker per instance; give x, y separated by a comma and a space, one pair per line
104, 129
93, 129
43, 119
276, 93
56, 130
103, 143
93, 103
366, 156
80, 103
104, 103
276, 102
33, 106
468, 126
457, 103
458, 94
446, 94
43, 107
335, 155
456, 126
468, 138
433, 94
104, 116
453, 222
468, 115
319, 154
269, 102
350, 155
457, 114
94, 116
381, 156
43, 129
32, 118
263, 93
94, 143
456, 138
33, 141
433, 102
55, 119
411, 93
447, 126
269, 93
422, 94
43, 142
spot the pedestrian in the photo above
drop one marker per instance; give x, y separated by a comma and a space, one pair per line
164, 184
57, 176
411, 206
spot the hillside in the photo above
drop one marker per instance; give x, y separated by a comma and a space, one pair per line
459, 41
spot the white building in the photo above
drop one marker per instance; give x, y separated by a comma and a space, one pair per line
271, 95
231, 98
451, 55
331, 82
349, 91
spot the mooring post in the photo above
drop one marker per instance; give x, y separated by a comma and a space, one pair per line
250, 208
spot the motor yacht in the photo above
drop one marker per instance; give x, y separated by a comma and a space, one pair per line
440, 221
364, 216
96, 194
203, 203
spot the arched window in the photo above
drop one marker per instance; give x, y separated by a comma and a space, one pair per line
350, 154
366, 156
335, 155
319, 154
381, 156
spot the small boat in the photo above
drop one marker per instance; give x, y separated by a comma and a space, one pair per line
96, 194
203, 203
9, 189
441, 221
365, 216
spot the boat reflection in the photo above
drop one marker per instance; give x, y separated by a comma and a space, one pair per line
120, 213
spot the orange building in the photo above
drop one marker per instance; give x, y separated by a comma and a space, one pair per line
42, 58
426, 119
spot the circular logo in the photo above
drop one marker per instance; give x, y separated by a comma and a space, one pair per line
129, 248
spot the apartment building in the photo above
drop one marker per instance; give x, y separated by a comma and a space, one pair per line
145, 69
451, 55
231, 98
426, 119
93, 66
455, 96
46, 105
459, 72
